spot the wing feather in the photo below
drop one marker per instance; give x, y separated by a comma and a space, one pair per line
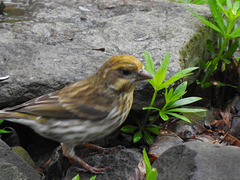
83, 103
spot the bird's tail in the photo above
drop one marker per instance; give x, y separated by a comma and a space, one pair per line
19, 117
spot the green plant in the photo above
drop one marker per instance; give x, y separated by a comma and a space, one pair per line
198, 2
77, 177
2, 130
172, 99
228, 31
151, 173
173, 103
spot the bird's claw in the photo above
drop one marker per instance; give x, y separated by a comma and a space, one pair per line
94, 170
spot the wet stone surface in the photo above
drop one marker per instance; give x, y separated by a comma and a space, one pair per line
50, 44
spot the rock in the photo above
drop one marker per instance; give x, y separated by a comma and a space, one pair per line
201, 161
14, 167
122, 163
54, 43
24, 155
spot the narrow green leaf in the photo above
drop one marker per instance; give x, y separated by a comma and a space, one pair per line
229, 5
220, 84
186, 110
177, 76
76, 177
200, 2
154, 130
148, 137
226, 12
4, 131
217, 14
137, 136
176, 97
169, 95
146, 162
149, 64
144, 108
235, 6
210, 47
235, 33
163, 115
232, 49
223, 2
181, 88
203, 65
93, 178
184, 101
180, 117
1, 121
227, 61
208, 23
151, 82
128, 128
152, 175
161, 74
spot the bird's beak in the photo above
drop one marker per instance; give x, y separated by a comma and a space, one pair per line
143, 75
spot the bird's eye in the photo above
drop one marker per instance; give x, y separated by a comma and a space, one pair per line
125, 72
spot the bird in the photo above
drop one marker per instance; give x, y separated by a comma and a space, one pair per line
85, 111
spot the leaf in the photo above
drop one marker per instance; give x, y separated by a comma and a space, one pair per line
154, 130
128, 128
220, 84
217, 14
76, 177
226, 61
144, 108
169, 95
209, 24
199, 2
235, 6
177, 76
184, 101
152, 175
149, 64
146, 161
226, 12
4, 131
93, 178
235, 33
181, 88
161, 73
163, 115
1, 121
186, 110
137, 136
210, 47
229, 5
148, 137
180, 117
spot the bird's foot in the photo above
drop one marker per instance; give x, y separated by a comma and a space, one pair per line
88, 168
101, 149
93, 170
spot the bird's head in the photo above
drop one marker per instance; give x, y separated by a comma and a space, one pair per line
122, 73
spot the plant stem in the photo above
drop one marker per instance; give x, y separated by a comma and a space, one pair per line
211, 68
149, 110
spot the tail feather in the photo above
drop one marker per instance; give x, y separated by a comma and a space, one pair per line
20, 117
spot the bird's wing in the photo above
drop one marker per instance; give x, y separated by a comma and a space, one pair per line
88, 106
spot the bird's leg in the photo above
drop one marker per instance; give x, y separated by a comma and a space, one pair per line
101, 149
88, 168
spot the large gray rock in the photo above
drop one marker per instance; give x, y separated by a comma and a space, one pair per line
14, 167
121, 162
53, 44
201, 161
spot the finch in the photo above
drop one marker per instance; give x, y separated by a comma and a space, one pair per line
86, 110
